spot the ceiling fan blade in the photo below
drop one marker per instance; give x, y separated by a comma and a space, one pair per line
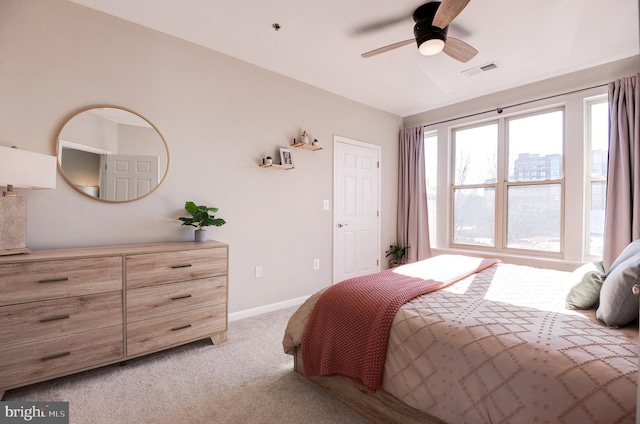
459, 50
447, 12
389, 47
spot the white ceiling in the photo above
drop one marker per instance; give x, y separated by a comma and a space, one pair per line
529, 41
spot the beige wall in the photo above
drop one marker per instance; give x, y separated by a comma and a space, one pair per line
219, 117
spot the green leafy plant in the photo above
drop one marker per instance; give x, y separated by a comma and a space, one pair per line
396, 253
201, 216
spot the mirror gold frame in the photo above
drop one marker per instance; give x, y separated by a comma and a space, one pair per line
111, 153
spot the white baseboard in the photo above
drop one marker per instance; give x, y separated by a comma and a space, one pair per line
266, 308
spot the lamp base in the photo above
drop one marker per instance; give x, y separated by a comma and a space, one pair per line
13, 225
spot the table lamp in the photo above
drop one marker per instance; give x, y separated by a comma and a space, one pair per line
20, 169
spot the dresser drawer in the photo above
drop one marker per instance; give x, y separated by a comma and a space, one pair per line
154, 301
160, 268
52, 318
30, 362
162, 332
31, 281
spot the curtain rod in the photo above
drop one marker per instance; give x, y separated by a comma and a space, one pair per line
500, 109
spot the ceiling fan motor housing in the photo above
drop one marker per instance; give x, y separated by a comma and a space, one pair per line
423, 29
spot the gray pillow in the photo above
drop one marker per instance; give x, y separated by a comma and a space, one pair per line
587, 281
632, 249
618, 305
599, 266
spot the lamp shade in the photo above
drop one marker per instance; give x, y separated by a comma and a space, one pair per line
23, 169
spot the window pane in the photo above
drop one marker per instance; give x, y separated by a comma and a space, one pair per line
431, 171
596, 217
599, 136
476, 155
533, 220
598, 145
474, 216
535, 147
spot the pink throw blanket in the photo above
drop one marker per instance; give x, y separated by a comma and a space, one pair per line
348, 329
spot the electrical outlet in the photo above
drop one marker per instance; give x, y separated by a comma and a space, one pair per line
258, 271
316, 264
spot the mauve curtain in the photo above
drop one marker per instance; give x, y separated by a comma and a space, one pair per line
413, 219
622, 211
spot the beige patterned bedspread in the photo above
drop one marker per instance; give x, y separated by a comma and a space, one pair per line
499, 347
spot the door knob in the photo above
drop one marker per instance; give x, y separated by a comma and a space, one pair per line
342, 225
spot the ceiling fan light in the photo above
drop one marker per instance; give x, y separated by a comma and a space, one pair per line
431, 47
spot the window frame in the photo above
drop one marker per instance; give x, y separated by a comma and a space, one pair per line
453, 187
431, 208
588, 177
502, 185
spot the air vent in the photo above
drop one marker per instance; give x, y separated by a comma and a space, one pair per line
479, 69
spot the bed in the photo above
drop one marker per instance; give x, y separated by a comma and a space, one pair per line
493, 343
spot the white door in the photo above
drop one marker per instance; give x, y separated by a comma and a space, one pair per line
129, 177
356, 203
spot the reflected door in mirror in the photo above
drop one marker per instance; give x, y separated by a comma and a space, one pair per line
129, 177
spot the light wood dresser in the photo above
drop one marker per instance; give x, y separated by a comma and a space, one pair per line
68, 310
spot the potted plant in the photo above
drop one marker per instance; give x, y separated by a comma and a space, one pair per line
201, 216
396, 254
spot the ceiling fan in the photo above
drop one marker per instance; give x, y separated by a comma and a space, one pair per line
432, 23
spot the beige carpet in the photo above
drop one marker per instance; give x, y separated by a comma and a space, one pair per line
246, 380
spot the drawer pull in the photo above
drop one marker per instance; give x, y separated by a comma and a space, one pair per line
180, 266
185, 296
54, 280
54, 318
181, 327
55, 355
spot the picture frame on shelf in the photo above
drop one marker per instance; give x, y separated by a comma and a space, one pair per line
286, 157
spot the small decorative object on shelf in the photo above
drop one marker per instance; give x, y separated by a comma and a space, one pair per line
304, 138
268, 160
201, 216
315, 142
286, 157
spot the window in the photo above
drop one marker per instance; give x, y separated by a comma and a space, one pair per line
507, 183
475, 177
431, 177
597, 147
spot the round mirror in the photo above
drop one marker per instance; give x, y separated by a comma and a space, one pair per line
111, 153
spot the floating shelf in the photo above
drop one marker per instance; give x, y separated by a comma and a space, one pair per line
307, 146
276, 166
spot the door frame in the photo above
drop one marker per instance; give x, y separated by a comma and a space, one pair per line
337, 139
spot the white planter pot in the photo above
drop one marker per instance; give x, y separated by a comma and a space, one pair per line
201, 235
